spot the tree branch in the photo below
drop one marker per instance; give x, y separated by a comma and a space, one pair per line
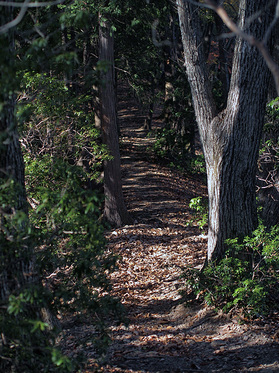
24, 6
16, 20
30, 5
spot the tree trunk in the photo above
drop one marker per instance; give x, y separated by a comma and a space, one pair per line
231, 138
16, 263
115, 211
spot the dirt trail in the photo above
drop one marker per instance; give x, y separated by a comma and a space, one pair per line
163, 335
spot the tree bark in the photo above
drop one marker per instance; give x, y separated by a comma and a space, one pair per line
16, 263
231, 138
115, 211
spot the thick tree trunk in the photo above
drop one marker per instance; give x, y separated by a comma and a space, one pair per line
115, 211
230, 139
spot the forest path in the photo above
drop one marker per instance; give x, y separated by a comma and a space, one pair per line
163, 335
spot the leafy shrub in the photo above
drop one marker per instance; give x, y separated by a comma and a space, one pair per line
26, 340
63, 237
272, 118
165, 140
199, 206
197, 164
55, 122
173, 147
62, 246
246, 279
269, 153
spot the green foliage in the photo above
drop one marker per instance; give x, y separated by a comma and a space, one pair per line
197, 164
273, 107
63, 157
14, 232
271, 127
61, 361
28, 340
25, 342
246, 279
73, 15
62, 245
175, 141
267, 173
174, 147
54, 261
58, 123
164, 142
139, 60
67, 220
199, 205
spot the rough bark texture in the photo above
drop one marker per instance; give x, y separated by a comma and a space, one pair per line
115, 211
195, 64
16, 264
231, 138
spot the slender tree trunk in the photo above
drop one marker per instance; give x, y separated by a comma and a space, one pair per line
16, 263
115, 211
231, 138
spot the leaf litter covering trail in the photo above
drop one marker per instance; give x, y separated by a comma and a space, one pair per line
164, 335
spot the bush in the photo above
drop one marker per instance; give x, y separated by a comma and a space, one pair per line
199, 206
60, 248
27, 343
246, 279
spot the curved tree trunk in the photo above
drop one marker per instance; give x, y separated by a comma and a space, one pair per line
115, 211
231, 138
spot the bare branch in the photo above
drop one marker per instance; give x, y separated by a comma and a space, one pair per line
30, 5
24, 7
15, 21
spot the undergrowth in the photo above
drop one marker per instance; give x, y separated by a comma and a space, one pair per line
250, 285
57, 267
199, 207
176, 150
54, 259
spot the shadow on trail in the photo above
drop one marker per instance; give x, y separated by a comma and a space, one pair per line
192, 359
157, 344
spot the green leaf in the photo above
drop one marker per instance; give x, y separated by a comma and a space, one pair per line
39, 325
